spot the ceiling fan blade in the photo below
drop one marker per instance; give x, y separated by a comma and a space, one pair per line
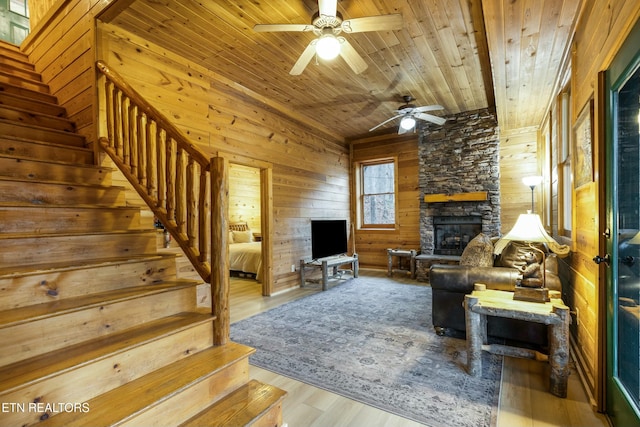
351, 56
430, 118
327, 7
266, 28
428, 108
304, 59
385, 122
373, 23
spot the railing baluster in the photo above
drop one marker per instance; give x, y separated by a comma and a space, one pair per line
133, 145
171, 181
181, 197
204, 216
126, 130
151, 159
108, 91
192, 212
161, 166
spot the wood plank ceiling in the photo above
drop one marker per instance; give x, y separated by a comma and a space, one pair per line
442, 55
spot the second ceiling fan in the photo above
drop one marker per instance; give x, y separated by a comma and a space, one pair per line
410, 113
327, 24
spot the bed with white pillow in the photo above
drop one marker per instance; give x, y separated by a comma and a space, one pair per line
245, 254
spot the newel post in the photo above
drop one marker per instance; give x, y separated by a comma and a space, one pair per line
219, 249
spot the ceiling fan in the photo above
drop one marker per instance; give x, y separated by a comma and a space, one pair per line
327, 24
410, 113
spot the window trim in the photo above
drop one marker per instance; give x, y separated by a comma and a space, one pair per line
360, 192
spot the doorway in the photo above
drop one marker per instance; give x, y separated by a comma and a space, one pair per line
250, 212
622, 98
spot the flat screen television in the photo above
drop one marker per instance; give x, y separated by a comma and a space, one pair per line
328, 237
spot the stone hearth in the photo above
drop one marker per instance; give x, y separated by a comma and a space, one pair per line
460, 157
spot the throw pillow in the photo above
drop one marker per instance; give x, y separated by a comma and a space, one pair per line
242, 236
478, 252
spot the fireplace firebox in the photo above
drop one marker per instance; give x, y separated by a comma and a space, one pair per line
452, 233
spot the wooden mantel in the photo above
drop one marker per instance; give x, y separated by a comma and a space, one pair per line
476, 196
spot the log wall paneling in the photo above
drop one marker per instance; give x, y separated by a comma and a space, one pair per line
244, 195
602, 28
310, 173
518, 158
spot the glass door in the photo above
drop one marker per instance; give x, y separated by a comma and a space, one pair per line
623, 212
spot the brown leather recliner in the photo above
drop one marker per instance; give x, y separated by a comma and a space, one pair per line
450, 283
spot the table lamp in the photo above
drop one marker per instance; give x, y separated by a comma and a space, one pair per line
529, 229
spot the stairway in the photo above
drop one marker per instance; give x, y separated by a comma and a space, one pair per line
95, 327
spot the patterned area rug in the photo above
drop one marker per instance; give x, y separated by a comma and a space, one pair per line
372, 340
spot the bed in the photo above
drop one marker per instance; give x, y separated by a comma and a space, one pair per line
245, 254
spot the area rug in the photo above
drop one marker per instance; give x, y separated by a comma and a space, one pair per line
371, 339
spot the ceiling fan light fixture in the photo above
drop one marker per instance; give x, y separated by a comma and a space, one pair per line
328, 47
407, 123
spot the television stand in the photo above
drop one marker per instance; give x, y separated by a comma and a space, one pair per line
328, 263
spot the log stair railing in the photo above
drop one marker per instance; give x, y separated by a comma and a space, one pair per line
185, 189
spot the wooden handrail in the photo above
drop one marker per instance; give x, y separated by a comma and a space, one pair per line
180, 184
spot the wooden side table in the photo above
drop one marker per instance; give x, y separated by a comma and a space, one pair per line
484, 302
400, 254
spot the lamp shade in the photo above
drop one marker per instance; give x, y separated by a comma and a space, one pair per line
528, 228
531, 181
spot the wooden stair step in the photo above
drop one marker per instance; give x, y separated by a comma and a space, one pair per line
31, 331
42, 283
12, 51
32, 105
53, 218
55, 267
82, 372
17, 68
47, 248
12, 317
9, 87
33, 170
37, 369
14, 80
49, 193
39, 133
35, 150
30, 117
254, 404
16, 60
166, 396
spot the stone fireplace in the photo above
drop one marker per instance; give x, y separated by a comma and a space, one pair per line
459, 166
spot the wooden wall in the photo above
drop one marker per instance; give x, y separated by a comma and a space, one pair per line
601, 29
61, 45
244, 195
371, 245
310, 170
518, 159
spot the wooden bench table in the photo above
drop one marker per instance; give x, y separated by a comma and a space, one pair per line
484, 302
326, 264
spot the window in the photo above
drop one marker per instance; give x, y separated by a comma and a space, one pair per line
20, 7
564, 167
378, 193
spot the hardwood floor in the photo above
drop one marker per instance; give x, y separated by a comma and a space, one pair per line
524, 399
